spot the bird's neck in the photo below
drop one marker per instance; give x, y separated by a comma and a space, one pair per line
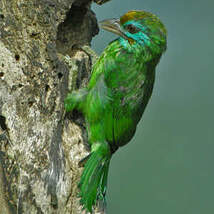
132, 44
144, 52
146, 49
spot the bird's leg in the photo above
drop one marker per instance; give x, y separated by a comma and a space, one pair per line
75, 100
100, 2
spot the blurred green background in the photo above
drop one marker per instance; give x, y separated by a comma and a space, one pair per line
168, 166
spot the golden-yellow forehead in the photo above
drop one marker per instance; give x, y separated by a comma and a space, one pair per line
134, 15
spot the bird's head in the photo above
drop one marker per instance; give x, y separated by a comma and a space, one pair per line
138, 28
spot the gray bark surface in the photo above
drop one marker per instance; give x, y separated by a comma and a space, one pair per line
40, 145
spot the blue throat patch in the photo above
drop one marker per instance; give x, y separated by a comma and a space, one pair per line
140, 38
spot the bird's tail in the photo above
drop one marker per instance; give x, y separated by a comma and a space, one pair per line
76, 100
93, 181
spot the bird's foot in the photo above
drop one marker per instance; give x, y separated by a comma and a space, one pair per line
89, 51
83, 161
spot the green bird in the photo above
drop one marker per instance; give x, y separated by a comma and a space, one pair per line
116, 96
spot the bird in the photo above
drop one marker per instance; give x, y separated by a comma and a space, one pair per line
117, 94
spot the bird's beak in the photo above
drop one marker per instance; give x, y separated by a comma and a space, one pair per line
113, 25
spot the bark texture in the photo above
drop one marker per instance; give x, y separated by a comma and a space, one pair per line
40, 60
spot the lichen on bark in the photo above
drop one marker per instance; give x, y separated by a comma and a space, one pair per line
40, 146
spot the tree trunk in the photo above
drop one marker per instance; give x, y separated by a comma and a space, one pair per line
40, 60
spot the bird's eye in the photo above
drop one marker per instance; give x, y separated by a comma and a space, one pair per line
132, 29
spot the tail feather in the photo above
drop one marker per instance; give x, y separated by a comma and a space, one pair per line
94, 178
104, 181
92, 188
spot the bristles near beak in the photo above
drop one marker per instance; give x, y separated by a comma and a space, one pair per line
113, 25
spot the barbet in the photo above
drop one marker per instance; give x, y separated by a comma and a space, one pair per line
119, 89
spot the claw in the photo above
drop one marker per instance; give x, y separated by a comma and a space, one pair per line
83, 161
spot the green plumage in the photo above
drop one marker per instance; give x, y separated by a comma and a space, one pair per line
119, 89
